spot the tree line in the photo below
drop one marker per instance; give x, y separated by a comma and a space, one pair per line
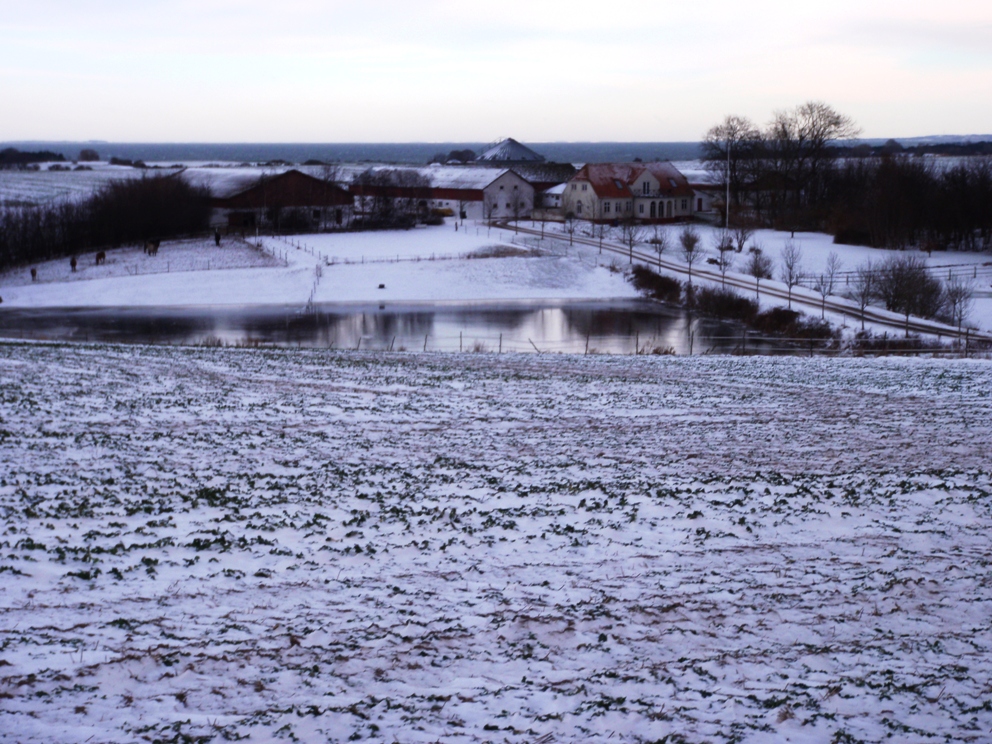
119, 212
793, 175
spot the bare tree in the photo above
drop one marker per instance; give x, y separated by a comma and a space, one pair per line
659, 241
797, 148
518, 206
959, 294
599, 230
630, 234
864, 288
906, 286
689, 244
490, 205
725, 257
727, 147
791, 272
824, 281
570, 226
742, 234
759, 266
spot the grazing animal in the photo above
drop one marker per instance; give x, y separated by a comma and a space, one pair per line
72, 263
151, 247
217, 238
34, 274
100, 258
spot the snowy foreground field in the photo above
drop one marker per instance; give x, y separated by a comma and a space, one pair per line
207, 545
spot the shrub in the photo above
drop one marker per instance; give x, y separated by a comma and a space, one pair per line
720, 302
784, 322
654, 285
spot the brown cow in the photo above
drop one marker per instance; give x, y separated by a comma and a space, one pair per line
100, 258
151, 247
72, 263
34, 274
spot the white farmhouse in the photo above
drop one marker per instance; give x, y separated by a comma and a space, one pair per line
645, 192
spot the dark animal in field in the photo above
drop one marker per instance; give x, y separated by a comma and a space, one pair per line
713, 261
72, 263
34, 274
151, 247
100, 258
217, 238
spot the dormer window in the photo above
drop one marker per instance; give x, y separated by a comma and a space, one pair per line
645, 188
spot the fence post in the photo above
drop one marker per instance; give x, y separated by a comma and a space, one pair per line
425, 342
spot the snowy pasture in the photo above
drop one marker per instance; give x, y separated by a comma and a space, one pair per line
435, 264
28, 187
208, 544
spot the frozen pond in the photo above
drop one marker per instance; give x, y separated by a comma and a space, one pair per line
578, 327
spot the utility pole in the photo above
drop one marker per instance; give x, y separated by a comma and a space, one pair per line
727, 223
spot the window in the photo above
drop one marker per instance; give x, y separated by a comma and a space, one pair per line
514, 187
578, 208
585, 186
573, 187
672, 181
685, 204
500, 188
626, 207
618, 207
508, 205
645, 189
606, 207
640, 208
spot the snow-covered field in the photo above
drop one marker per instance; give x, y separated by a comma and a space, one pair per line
214, 544
425, 264
176, 257
25, 187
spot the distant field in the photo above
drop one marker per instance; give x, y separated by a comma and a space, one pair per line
206, 545
27, 188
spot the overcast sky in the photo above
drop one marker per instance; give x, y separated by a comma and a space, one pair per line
450, 70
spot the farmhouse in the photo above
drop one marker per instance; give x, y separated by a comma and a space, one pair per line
464, 191
645, 192
247, 198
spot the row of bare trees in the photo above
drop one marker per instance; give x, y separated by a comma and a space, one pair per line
901, 283
782, 169
120, 212
788, 175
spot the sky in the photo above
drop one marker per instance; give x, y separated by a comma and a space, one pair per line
456, 71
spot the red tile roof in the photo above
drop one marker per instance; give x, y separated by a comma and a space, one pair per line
613, 180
